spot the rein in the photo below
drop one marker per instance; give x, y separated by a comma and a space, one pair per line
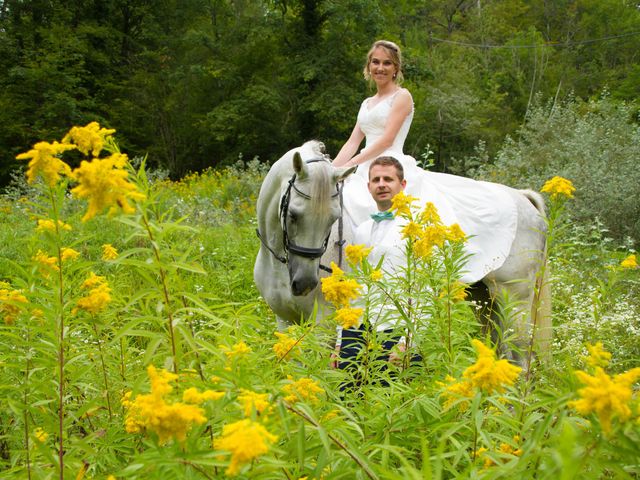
290, 247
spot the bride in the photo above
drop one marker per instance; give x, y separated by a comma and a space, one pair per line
484, 212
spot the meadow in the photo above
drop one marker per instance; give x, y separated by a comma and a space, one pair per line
134, 344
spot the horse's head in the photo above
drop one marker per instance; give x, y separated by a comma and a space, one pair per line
309, 208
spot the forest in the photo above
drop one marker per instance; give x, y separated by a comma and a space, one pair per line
202, 83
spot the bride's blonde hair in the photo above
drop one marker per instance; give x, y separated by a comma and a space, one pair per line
396, 57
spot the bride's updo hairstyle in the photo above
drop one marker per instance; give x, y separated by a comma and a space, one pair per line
396, 57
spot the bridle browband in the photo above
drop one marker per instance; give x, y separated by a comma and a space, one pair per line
290, 247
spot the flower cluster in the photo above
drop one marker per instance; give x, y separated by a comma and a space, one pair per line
558, 187
304, 389
103, 181
607, 397
487, 375
356, 253
246, 440
154, 413
285, 345
340, 290
10, 301
98, 296
46, 225
109, 252
253, 402
629, 263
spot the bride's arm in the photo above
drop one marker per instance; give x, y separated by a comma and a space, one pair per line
350, 148
402, 105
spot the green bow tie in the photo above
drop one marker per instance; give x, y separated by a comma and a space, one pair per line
380, 216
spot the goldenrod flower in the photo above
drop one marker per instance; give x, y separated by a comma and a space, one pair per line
598, 356
152, 412
411, 230
46, 262
109, 252
559, 186
253, 401
629, 262
348, 317
89, 138
194, 396
456, 291
338, 289
455, 391
430, 215
304, 389
44, 162
605, 396
423, 248
245, 440
435, 235
237, 350
68, 254
355, 253
104, 183
376, 275
40, 434
10, 301
50, 226
284, 345
455, 234
489, 374
99, 295
401, 203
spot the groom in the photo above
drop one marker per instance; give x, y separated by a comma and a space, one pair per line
382, 233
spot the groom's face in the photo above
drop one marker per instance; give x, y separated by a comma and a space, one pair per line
384, 184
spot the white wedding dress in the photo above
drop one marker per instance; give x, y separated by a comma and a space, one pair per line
484, 211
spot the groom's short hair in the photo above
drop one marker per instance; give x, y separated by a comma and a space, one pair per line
387, 161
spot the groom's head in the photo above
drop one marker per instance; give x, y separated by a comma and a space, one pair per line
386, 180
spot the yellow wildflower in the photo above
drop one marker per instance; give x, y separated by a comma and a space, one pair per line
193, 395
456, 291
89, 138
68, 254
44, 162
430, 215
455, 391
411, 230
338, 289
401, 203
348, 317
355, 253
104, 183
238, 349
253, 401
376, 275
423, 248
304, 389
629, 262
50, 226
246, 440
284, 345
559, 186
10, 301
46, 262
109, 252
605, 396
435, 235
152, 412
455, 234
489, 374
598, 356
40, 434
99, 295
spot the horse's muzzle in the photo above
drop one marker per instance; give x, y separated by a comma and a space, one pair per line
303, 286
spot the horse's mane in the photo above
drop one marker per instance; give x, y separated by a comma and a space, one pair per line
321, 187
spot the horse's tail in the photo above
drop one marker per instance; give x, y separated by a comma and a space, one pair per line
541, 307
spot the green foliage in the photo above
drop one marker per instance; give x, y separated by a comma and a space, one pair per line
595, 144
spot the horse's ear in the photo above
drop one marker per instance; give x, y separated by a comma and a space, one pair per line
299, 166
343, 172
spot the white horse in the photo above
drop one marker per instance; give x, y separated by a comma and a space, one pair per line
300, 201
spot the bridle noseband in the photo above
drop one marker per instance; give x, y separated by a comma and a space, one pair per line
290, 247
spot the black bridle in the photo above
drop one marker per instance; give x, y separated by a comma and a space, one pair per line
290, 247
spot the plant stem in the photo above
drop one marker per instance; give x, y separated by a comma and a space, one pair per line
165, 291
104, 369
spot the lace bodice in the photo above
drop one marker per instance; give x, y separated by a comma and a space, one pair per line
372, 122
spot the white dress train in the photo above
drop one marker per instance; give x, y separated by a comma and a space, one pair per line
484, 211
